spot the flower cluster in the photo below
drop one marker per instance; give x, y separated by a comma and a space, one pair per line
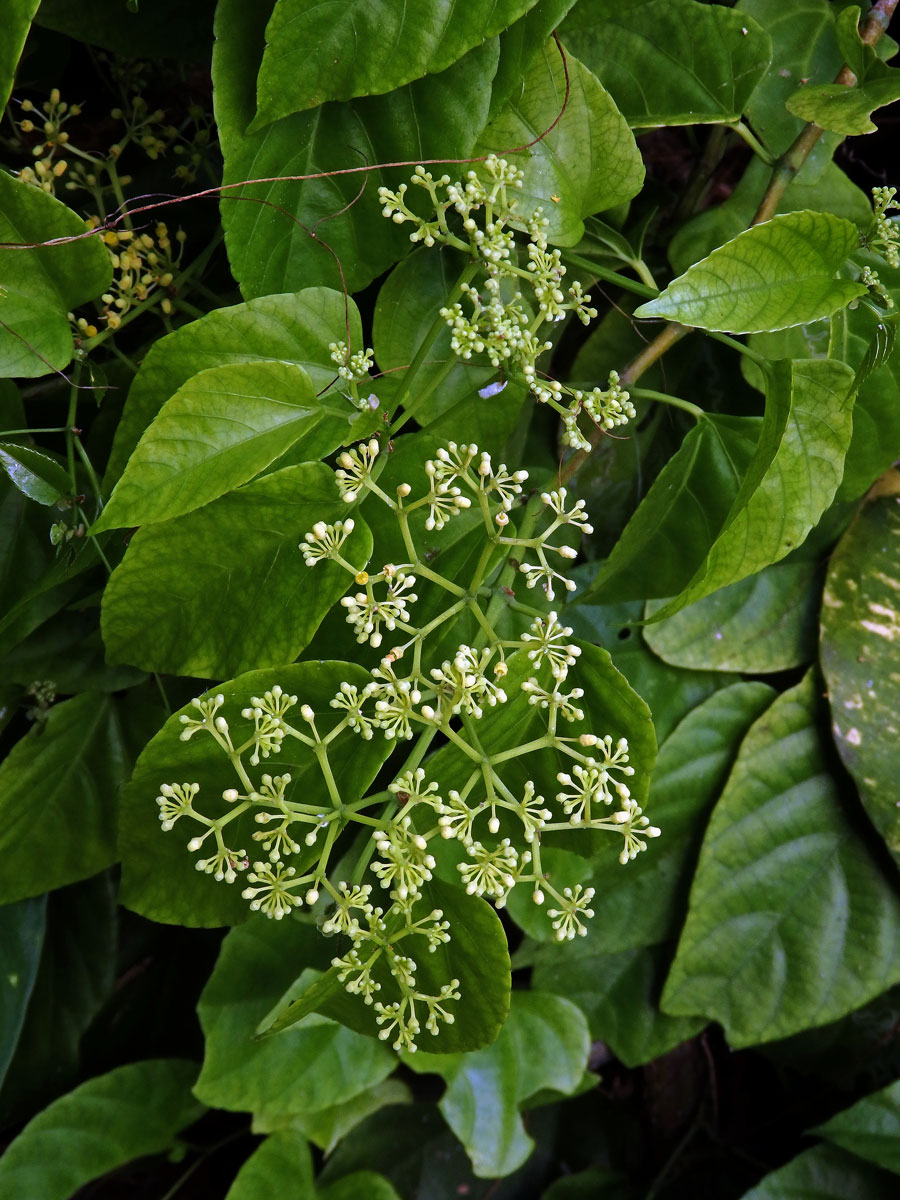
478, 216
887, 236
487, 829
142, 263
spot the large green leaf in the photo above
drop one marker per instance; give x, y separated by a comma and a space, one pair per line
680, 517
17, 17
159, 879
41, 285
293, 328
619, 993
78, 947
586, 163
313, 1066
870, 1128
767, 622
521, 44
825, 1173
861, 654
21, 937
671, 62
219, 430
776, 274
828, 190
643, 903
312, 49
75, 763
131, 1112
271, 249
791, 923
476, 955
544, 1044
218, 591
791, 480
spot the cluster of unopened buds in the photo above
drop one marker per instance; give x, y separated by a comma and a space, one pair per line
478, 217
48, 121
143, 263
498, 820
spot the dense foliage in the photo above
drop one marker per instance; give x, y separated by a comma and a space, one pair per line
450, 558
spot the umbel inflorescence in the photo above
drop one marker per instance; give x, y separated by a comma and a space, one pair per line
493, 813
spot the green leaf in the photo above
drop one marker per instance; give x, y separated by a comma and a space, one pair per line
597, 1183
669, 692
861, 654
282, 1163
826, 190
41, 285
680, 517
408, 305
270, 250
824, 1173
39, 476
79, 947
842, 109
235, 557
17, 16
327, 1127
544, 1044
146, 25
837, 107
791, 480
294, 328
672, 62
315, 1065
643, 903
586, 163
476, 955
75, 761
21, 937
776, 274
159, 879
791, 923
619, 994
131, 1112
870, 1128
803, 47
767, 622
360, 1183
520, 44
311, 49
218, 431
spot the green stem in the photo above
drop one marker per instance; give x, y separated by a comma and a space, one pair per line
647, 289
753, 142
675, 401
741, 347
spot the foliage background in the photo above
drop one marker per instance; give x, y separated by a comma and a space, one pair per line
729, 1025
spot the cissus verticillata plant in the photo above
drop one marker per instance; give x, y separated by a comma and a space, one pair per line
450, 573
